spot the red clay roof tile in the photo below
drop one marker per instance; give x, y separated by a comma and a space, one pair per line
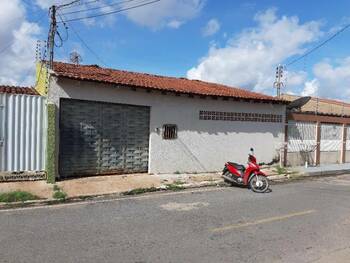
18, 90
168, 84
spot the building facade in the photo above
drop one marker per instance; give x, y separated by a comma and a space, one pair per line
162, 125
318, 132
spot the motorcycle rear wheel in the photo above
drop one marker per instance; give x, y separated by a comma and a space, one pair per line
259, 184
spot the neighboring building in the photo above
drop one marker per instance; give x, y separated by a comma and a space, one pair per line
10, 90
322, 106
22, 132
111, 121
318, 132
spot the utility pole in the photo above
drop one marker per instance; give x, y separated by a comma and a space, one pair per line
52, 34
278, 84
53, 31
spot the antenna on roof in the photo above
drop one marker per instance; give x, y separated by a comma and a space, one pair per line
75, 58
298, 103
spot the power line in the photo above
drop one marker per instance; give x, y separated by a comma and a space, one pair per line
68, 4
86, 45
320, 45
112, 12
100, 7
53, 30
80, 3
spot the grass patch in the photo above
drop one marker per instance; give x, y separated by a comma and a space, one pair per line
17, 196
174, 187
139, 191
59, 195
281, 170
178, 182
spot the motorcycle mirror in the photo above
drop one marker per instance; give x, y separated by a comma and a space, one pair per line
252, 150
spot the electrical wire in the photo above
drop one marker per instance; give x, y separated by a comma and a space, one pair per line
68, 4
79, 4
84, 43
100, 7
65, 27
112, 12
320, 45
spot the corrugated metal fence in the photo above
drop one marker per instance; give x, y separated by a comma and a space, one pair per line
22, 132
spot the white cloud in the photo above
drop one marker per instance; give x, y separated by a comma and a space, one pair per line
172, 13
311, 88
294, 79
166, 13
249, 59
18, 40
333, 80
175, 24
44, 4
211, 28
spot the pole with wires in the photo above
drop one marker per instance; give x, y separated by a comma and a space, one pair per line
278, 84
52, 34
53, 31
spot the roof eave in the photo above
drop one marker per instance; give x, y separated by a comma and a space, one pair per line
236, 98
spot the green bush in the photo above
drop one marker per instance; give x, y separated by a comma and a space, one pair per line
281, 170
59, 195
17, 196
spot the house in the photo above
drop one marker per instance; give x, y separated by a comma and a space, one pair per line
111, 121
22, 133
317, 132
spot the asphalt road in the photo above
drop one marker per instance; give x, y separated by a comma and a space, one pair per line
307, 221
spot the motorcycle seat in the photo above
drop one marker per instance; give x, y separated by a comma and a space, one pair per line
238, 166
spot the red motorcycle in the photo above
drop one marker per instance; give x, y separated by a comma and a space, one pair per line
251, 176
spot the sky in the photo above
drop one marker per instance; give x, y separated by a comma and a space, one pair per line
237, 43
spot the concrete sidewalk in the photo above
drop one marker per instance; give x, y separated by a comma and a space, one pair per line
113, 184
324, 170
121, 184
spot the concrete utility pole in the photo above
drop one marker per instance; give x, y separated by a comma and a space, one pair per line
52, 34
53, 31
278, 84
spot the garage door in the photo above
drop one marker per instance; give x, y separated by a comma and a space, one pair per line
102, 138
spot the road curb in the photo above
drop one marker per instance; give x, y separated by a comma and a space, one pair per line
274, 179
327, 173
48, 202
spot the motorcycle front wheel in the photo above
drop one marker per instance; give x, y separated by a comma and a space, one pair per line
259, 184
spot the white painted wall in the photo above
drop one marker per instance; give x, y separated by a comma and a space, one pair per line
202, 145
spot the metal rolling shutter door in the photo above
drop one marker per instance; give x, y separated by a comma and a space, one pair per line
103, 138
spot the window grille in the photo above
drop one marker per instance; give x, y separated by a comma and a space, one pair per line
169, 131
